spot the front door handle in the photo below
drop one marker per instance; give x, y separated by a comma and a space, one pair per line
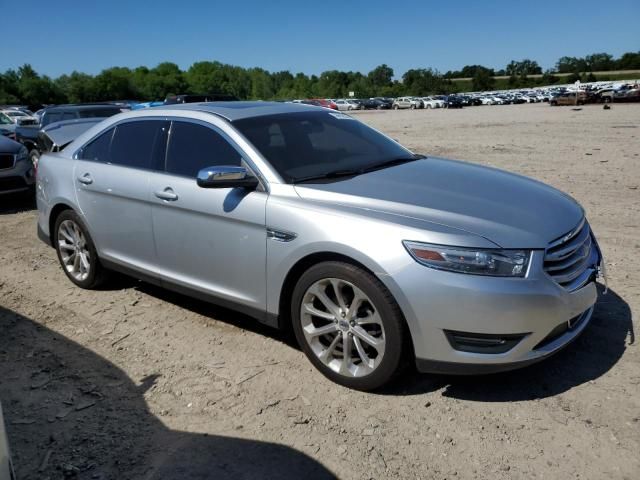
166, 194
85, 179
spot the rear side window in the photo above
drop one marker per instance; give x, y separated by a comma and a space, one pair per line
98, 149
138, 144
193, 147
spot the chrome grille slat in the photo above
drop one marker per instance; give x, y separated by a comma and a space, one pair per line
566, 262
569, 260
564, 250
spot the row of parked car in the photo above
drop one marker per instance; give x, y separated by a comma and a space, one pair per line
27, 133
599, 92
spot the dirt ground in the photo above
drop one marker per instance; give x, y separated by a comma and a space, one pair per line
136, 382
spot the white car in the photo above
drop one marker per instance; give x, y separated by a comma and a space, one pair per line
430, 102
14, 115
406, 102
345, 105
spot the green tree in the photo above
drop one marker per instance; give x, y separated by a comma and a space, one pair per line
381, 77
483, 79
628, 61
112, 84
523, 67
75, 87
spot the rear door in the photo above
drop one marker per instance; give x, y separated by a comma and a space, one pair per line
112, 176
208, 240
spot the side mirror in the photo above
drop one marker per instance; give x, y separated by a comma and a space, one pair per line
226, 177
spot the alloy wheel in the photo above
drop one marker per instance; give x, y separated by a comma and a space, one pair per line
74, 251
342, 327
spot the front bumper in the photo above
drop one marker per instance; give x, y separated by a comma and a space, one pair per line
17, 179
532, 309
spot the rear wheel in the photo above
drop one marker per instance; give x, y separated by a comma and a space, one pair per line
348, 325
76, 251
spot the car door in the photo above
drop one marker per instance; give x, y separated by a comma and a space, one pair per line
112, 177
208, 240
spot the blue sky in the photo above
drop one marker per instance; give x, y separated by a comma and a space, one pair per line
65, 35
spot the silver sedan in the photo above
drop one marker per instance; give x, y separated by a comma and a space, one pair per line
306, 218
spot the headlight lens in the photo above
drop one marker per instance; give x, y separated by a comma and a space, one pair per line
498, 263
23, 153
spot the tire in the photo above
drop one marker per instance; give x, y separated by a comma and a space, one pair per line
429, 106
395, 107
377, 315
412, 107
70, 228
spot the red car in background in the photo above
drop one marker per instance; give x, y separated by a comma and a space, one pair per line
325, 103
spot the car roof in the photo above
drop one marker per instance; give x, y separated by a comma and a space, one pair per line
233, 111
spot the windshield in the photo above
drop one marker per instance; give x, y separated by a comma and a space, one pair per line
4, 120
312, 144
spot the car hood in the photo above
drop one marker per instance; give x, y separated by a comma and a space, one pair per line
510, 210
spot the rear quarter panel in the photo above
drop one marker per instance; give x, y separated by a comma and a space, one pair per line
54, 186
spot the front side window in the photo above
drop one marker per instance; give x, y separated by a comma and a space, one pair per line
193, 147
308, 144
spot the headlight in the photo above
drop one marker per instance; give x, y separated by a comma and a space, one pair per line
23, 154
498, 263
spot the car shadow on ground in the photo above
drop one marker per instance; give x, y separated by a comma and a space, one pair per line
72, 414
16, 203
590, 356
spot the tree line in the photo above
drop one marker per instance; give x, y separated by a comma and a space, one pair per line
26, 86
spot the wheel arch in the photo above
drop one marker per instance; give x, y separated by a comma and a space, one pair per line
56, 210
303, 264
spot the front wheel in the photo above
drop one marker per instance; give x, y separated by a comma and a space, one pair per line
76, 251
348, 325
395, 107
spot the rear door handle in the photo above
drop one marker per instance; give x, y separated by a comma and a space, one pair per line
85, 179
166, 194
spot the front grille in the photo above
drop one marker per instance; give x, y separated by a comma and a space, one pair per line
571, 260
12, 183
6, 161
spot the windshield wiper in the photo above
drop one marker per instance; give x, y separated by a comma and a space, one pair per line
392, 163
352, 172
329, 175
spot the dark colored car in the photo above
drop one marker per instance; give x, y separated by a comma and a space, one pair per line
55, 136
28, 134
377, 104
16, 171
452, 101
211, 97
